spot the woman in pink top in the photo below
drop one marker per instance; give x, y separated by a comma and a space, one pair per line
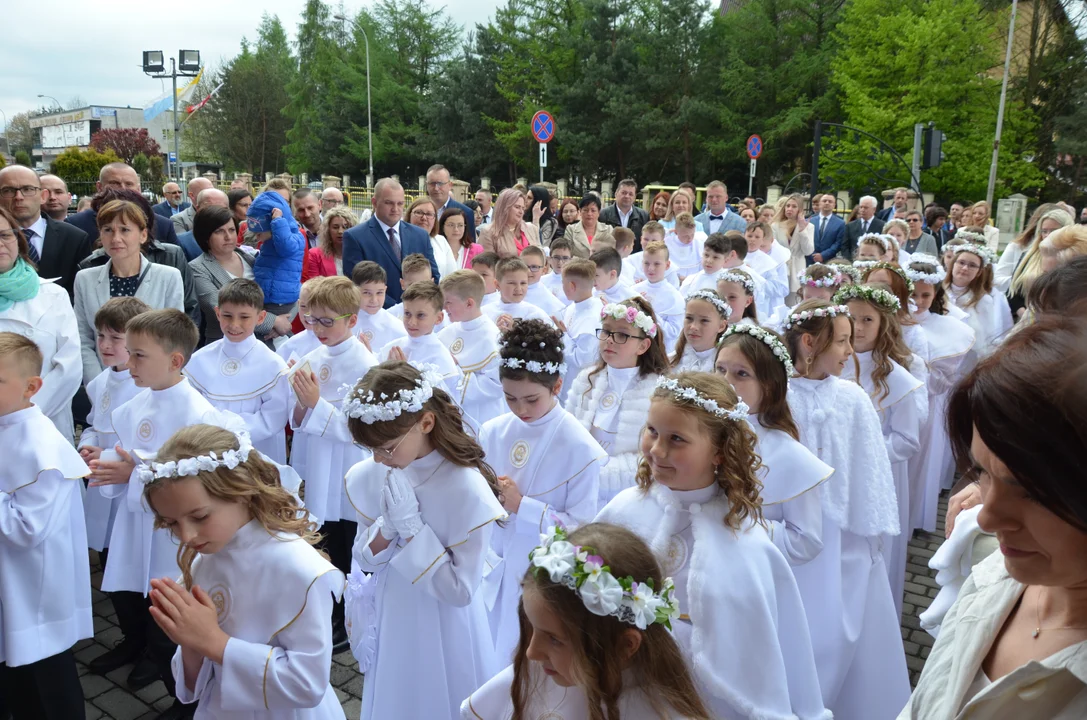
508, 234
452, 228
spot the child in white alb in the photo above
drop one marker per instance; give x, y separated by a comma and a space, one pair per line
714, 252
560, 253
537, 293
610, 287
486, 264
414, 269
668, 302
423, 313
377, 327
512, 274
472, 339
580, 322
301, 344
705, 318
652, 232
685, 246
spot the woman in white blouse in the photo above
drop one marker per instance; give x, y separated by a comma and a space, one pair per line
1014, 645
793, 232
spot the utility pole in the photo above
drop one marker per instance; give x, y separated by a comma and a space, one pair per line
1000, 111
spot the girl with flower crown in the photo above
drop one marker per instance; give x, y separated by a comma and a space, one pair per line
593, 636
705, 318
548, 467
847, 596
427, 504
697, 506
969, 285
900, 401
757, 364
611, 398
738, 290
251, 614
819, 282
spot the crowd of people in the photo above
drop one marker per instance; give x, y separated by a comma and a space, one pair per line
539, 457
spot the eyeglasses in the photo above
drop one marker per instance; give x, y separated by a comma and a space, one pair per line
620, 338
387, 454
967, 265
437, 184
325, 321
534, 268
422, 214
913, 220
559, 259
8, 236
27, 190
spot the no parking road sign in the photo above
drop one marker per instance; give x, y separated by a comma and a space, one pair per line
543, 127
754, 147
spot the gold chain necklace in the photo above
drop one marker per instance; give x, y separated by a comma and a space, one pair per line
1038, 620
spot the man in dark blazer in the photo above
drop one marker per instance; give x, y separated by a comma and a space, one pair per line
173, 204
898, 206
829, 230
386, 239
623, 213
438, 185
56, 247
866, 222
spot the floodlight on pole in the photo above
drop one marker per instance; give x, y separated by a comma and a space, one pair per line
186, 65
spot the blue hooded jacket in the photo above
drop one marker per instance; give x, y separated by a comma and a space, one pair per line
278, 267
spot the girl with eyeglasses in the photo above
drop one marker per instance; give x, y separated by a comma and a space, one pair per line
611, 398
969, 285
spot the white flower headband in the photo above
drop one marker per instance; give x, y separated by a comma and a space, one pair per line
874, 295
191, 467
862, 266
738, 413
933, 278
766, 338
980, 250
798, 318
603, 594
736, 277
383, 408
831, 281
713, 299
896, 269
852, 271
535, 366
878, 239
971, 237
632, 315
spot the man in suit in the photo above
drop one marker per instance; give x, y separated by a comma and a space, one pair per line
207, 198
718, 218
183, 220
829, 230
172, 205
119, 176
386, 239
438, 186
55, 247
866, 222
486, 205
898, 206
55, 197
624, 213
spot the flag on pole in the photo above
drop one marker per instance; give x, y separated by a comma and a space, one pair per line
193, 108
165, 101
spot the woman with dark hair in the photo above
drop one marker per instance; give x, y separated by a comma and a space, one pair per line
215, 232
658, 210
539, 214
581, 234
239, 201
566, 216
453, 227
1014, 645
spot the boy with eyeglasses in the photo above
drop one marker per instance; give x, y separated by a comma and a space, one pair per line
561, 253
538, 294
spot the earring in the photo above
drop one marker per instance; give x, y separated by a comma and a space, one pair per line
717, 473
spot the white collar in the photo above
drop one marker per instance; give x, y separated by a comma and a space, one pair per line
686, 498
547, 417
39, 227
19, 416
238, 349
587, 302
182, 388
341, 347
386, 228
474, 323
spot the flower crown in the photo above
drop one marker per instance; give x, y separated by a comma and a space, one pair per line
852, 271
861, 266
632, 315
799, 318
805, 279
736, 277
980, 250
689, 394
896, 269
535, 366
971, 237
877, 296
878, 239
601, 592
766, 338
191, 467
713, 299
383, 408
933, 278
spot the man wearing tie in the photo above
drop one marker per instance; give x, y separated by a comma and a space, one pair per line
438, 186
623, 213
718, 218
386, 239
829, 230
486, 204
866, 222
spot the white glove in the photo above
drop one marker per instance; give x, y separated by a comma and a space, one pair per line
402, 506
384, 524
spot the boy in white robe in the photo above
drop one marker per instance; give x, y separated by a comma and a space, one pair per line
45, 595
668, 302
320, 426
472, 340
624, 245
714, 253
160, 344
423, 313
771, 263
652, 232
685, 245
414, 269
537, 294
377, 327
560, 254
609, 286
580, 321
486, 264
112, 388
512, 274
300, 344
241, 374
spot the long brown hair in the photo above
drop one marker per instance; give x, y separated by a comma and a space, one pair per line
20, 237
821, 330
939, 295
899, 287
773, 380
750, 311
667, 203
736, 441
448, 435
980, 286
657, 668
888, 347
254, 482
681, 343
653, 361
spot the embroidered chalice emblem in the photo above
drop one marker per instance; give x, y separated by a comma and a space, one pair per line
608, 401
146, 430
457, 346
324, 374
220, 597
519, 454
231, 367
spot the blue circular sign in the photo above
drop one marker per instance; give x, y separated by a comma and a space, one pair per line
543, 126
754, 147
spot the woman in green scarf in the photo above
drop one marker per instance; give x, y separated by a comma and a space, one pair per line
40, 310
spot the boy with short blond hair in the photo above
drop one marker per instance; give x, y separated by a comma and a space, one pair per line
423, 313
512, 274
560, 253
243, 375
684, 245
301, 344
377, 327
415, 268
472, 339
485, 264
609, 267
581, 319
45, 583
656, 233
667, 301
537, 294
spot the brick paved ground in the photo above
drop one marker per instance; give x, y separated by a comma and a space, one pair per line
107, 697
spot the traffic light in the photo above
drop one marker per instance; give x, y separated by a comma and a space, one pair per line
932, 141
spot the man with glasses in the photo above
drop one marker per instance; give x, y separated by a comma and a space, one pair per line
174, 202
918, 240
55, 247
438, 186
55, 197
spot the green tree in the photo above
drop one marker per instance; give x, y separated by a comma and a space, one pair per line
311, 144
140, 163
76, 165
19, 133
22, 157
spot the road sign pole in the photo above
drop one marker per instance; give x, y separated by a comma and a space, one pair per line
543, 129
751, 178
543, 160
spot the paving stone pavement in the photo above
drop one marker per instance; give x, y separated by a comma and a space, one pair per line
108, 698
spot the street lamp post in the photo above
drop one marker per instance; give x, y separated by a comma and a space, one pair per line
189, 61
369, 113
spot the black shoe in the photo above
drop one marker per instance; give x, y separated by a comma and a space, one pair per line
178, 711
340, 641
125, 652
145, 673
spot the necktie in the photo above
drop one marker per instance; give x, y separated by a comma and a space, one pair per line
394, 243
31, 250
864, 227
717, 217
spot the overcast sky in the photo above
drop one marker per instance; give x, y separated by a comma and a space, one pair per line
94, 49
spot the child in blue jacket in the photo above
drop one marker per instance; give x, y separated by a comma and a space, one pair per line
278, 267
